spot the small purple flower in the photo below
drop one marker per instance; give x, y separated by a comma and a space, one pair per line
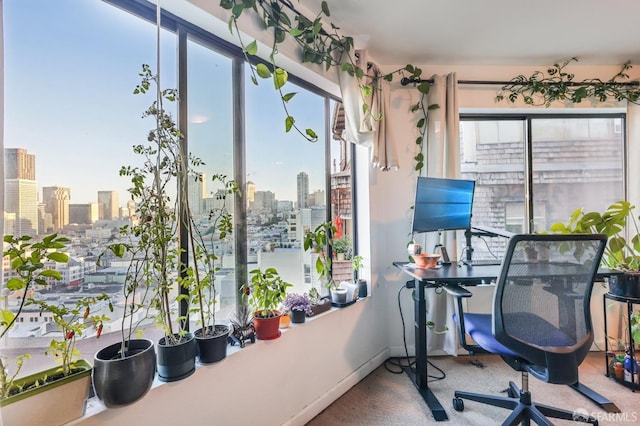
297, 302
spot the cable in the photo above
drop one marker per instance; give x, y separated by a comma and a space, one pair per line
408, 361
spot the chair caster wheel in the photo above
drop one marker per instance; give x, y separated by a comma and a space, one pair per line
458, 404
511, 393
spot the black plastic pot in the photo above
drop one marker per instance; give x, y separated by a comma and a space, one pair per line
212, 348
625, 285
298, 317
121, 381
177, 361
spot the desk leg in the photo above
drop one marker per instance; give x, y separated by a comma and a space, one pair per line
603, 402
420, 376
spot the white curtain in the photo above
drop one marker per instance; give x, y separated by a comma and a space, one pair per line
369, 128
443, 161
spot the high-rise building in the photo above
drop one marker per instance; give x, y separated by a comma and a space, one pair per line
264, 200
251, 193
197, 193
56, 201
84, 214
109, 205
21, 191
303, 190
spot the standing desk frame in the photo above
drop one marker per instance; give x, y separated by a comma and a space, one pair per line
452, 277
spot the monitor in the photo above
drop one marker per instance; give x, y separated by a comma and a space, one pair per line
442, 204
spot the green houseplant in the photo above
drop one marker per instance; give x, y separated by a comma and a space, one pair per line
342, 248
166, 168
200, 278
156, 263
622, 253
321, 243
55, 395
266, 290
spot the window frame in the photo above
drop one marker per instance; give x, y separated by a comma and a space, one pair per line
185, 30
527, 119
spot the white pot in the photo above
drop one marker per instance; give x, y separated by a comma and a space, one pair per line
339, 295
54, 403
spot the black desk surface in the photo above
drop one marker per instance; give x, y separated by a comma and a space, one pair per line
452, 274
465, 275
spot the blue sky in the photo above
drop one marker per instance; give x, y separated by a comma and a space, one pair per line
70, 70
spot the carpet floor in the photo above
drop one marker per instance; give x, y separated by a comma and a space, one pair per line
387, 397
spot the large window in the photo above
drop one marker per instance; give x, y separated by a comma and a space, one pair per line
532, 171
72, 118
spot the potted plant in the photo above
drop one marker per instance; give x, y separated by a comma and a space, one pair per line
210, 337
320, 242
241, 322
298, 306
319, 304
157, 259
123, 372
342, 248
266, 291
360, 282
56, 395
622, 252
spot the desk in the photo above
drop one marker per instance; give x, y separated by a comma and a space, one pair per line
454, 276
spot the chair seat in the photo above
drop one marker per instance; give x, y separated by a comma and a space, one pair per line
478, 326
542, 333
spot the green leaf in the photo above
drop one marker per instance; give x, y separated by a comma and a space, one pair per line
51, 273
236, 11
280, 77
58, 257
312, 135
263, 70
325, 8
295, 32
6, 317
424, 88
288, 123
251, 48
15, 284
288, 96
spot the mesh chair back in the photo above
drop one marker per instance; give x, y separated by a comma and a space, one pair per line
542, 299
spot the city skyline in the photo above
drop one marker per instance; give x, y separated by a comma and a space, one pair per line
83, 145
56, 201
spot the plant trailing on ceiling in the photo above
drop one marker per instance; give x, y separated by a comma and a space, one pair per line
318, 46
559, 85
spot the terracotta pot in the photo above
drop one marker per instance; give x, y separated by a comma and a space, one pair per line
267, 328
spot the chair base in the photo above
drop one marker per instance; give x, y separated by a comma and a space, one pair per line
523, 409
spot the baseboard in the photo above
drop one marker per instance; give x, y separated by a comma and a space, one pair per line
324, 400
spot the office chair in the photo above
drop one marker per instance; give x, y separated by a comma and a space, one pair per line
541, 320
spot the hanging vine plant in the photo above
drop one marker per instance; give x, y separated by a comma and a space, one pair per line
327, 48
559, 85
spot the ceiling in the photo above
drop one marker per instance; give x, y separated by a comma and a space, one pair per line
490, 32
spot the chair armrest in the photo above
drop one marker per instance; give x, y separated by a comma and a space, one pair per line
457, 291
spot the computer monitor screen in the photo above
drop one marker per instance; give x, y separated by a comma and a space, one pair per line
442, 204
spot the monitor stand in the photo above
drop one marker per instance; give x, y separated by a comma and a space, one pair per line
444, 256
